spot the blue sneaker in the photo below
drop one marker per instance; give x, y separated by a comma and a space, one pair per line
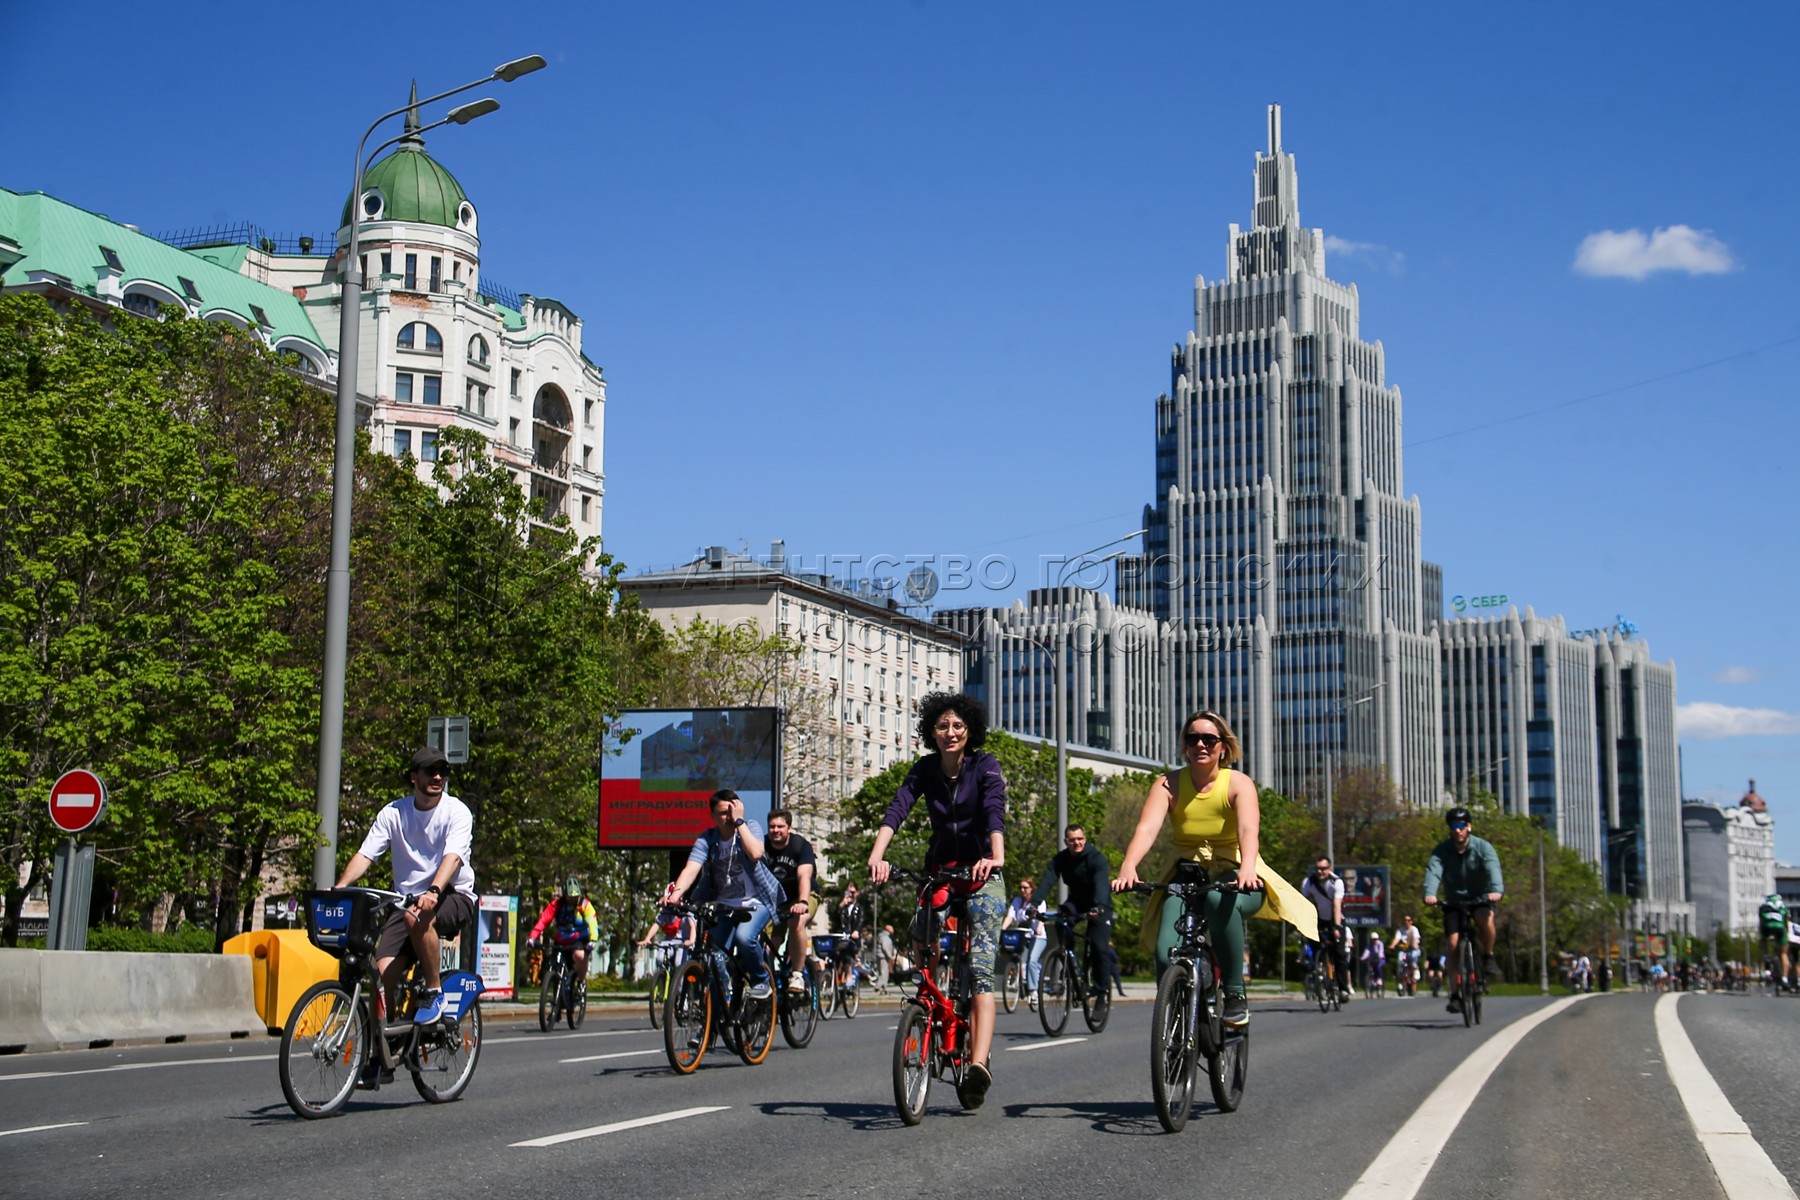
430, 1010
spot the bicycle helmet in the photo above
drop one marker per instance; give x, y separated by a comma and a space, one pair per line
1459, 813
571, 888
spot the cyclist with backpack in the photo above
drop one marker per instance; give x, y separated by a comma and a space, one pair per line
1772, 915
576, 923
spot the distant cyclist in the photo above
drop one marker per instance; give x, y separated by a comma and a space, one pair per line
1405, 948
1325, 888
1022, 913
1467, 871
576, 924
1772, 915
791, 858
1084, 868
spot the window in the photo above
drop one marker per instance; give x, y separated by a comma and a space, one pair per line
428, 445
586, 506
415, 332
478, 350
402, 442
387, 263
412, 272
475, 399
587, 412
142, 305
262, 318
515, 383
437, 273
512, 431
434, 389
371, 203
112, 258
403, 387
187, 286
587, 458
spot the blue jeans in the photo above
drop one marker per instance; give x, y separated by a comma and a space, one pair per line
745, 939
1034, 964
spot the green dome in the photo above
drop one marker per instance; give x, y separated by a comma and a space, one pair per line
414, 187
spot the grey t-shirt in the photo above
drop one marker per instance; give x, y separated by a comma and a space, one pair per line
729, 870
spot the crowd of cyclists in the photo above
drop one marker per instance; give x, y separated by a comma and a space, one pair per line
764, 888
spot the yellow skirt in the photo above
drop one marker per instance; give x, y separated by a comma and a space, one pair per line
1281, 902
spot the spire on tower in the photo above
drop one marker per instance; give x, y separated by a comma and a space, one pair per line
412, 139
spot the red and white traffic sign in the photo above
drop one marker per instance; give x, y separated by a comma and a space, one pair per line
76, 800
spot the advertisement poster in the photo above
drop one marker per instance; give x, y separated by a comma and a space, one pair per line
499, 932
661, 765
1366, 896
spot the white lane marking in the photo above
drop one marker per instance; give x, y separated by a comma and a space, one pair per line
1743, 1167
1046, 1044
177, 1062
538, 1038
1400, 1169
40, 1128
557, 1139
603, 1057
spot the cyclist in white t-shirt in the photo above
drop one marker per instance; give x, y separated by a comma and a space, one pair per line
1325, 888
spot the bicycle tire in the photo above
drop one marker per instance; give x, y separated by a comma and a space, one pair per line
852, 1000
800, 1016
1096, 999
549, 1001
1465, 961
688, 1018
1228, 1069
1323, 991
659, 996
912, 1062
756, 1022
1011, 980
1053, 994
577, 1012
323, 1046
1173, 1054
451, 1057
828, 995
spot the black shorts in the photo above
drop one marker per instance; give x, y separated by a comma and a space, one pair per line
454, 911
1458, 921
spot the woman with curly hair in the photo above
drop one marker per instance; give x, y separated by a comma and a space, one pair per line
965, 798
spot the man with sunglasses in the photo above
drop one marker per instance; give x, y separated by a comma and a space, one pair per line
1325, 888
1466, 869
430, 833
1084, 868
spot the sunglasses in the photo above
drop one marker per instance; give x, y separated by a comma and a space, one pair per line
1459, 824
1209, 740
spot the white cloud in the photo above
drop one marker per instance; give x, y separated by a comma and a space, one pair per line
1632, 254
1389, 260
1704, 719
1737, 675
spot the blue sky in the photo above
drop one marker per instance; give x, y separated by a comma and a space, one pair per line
901, 279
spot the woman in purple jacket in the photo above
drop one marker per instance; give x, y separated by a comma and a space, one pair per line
965, 797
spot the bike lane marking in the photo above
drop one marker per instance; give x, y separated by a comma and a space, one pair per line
557, 1139
179, 1062
41, 1128
1400, 1169
1045, 1045
1738, 1159
617, 1054
537, 1038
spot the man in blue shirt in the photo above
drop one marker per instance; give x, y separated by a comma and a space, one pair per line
1467, 869
731, 853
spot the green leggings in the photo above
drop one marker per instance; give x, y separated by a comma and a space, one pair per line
1224, 925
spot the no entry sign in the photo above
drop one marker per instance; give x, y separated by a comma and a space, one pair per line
76, 800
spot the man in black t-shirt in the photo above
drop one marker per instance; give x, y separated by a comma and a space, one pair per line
791, 858
1082, 866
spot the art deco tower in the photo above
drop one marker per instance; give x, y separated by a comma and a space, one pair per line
1282, 549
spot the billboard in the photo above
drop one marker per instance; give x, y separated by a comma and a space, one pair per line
1365, 897
660, 765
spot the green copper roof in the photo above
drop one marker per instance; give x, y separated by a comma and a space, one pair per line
71, 242
414, 187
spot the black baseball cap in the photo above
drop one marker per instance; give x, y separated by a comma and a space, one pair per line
425, 757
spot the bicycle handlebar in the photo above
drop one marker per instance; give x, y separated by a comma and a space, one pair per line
1193, 889
908, 875
711, 910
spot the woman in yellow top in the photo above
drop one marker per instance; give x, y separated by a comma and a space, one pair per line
1216, 820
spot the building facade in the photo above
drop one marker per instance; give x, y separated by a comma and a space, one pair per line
1281, 548
1729, 857
1639, 775
852, 693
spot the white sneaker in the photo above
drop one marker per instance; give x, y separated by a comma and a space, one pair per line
796, 983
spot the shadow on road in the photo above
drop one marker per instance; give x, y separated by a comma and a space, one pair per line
1127, 1119
856, 1116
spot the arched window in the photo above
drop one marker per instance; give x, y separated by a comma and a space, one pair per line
478, 350
419, 333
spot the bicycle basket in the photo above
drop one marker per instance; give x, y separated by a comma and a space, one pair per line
342, 922
1012, 939
824, 946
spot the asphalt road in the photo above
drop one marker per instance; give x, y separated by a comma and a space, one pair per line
1583, 1103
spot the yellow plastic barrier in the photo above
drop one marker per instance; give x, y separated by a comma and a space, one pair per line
283, 964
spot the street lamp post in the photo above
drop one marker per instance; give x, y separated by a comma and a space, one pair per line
1330, 824
343, 474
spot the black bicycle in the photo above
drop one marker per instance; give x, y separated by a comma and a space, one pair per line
1321, 980
564, 995
798, 1011
709, 997
841, 990
1188, 1022
341, 1027
669, 952
1468, 986
1061, 977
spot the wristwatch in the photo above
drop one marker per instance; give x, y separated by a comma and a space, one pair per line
435, 890
737, 822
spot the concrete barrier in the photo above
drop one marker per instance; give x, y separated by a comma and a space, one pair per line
61, 999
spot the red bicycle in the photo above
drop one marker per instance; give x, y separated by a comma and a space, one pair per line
932, 1040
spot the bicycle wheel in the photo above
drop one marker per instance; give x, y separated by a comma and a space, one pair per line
322, 1049
446, 1057
1096, 998
755, 1028
1465, 961
1053, 993
659, 996
688, 1018
1323, 992
800, 1015
1172, 1053
851, 1000
1011, 980
912, 1062
549, 998
577, 1011
1228, 1069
